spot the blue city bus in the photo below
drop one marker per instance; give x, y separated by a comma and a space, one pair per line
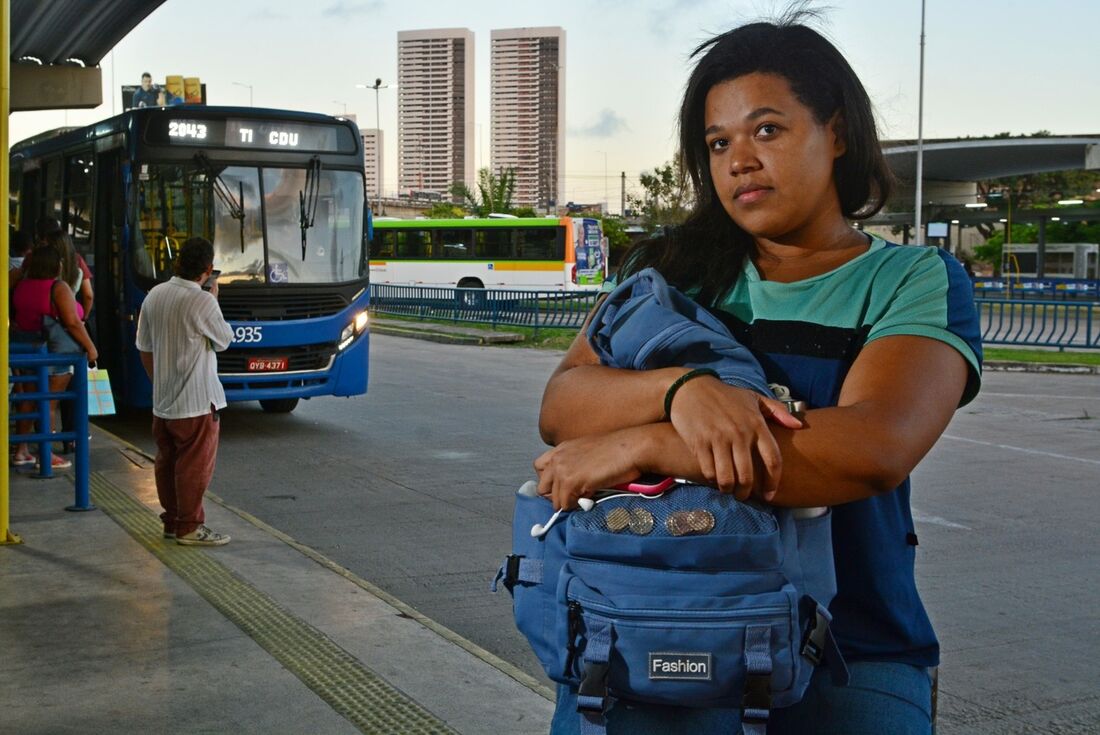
280, 194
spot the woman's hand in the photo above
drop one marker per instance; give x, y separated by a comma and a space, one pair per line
726, 430
579, 467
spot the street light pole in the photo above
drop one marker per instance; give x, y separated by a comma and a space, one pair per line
920, 132
377, 126
242, 84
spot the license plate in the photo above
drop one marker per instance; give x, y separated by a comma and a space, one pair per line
266, 364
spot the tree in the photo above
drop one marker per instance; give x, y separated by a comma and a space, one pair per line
618, 242
494, 192
667, 199
445, 210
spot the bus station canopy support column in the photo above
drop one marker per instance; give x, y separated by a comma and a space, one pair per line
6, 536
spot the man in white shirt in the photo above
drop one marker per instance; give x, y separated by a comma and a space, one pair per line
180, 327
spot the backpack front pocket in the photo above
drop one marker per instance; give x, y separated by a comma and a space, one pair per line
691, 528
665, 645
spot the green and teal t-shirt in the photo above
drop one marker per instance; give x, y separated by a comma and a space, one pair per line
806, 336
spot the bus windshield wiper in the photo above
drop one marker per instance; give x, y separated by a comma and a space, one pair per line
224, 193
307, 199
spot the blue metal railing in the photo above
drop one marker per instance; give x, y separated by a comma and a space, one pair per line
1040, 323
29, 365
1041, 288
498, 307
1029, 322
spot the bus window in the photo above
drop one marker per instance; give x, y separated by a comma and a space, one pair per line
334, 248
15, 182
176, 203
78, 200
414, 244
494, 243
540, 243
384, 244
456, 244
52, 193
240, 257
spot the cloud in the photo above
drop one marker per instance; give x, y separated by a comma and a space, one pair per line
268, 14
343, 9
608, 124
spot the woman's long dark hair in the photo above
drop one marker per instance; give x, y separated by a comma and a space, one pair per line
708, 251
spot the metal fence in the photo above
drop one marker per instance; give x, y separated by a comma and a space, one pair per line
503, 307
1029, 322
29, 369
1037, 288
1040, 323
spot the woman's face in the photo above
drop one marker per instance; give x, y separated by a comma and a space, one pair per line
770, 160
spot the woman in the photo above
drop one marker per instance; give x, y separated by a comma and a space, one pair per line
42, 299
74, 271
881, 341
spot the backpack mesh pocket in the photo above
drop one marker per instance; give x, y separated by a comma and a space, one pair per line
686, 510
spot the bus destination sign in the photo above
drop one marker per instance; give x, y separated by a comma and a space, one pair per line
255, 134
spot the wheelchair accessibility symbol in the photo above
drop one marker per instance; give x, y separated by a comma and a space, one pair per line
278, 273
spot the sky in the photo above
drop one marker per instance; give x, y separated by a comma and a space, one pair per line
990, 66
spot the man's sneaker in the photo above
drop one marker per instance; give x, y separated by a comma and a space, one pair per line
202, 536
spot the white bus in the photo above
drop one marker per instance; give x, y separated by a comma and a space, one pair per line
1062, 260
544, 253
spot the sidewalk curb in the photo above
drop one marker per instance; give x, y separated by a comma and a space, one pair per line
1009, 366
428, 334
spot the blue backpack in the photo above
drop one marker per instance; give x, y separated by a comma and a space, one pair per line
689, 598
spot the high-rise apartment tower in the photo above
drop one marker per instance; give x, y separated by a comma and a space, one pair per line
528, 112
435, 109
372, 160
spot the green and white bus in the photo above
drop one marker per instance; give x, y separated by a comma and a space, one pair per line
543, 253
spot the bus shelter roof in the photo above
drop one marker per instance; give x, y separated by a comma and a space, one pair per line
993, 158
69, 31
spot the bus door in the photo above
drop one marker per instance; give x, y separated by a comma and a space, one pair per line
107, 280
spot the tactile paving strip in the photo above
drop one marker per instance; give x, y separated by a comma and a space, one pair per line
336, 676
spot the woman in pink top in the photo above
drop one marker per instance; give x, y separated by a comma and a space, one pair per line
39, 295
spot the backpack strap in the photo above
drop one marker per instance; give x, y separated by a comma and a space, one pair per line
592, 699
517, 568
756, 702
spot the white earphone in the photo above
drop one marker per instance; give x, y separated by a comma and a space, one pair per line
539, 529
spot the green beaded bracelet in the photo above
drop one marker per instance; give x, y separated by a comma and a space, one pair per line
679, 383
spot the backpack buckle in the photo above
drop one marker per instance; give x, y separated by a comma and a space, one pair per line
592, 694
758, 693
813, 643
511, 569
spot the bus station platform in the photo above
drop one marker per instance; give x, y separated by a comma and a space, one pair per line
105, 626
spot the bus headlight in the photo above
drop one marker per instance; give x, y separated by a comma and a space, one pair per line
358, 326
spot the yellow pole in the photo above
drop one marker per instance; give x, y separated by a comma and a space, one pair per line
6, 536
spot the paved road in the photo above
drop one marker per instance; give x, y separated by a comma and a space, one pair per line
410, 485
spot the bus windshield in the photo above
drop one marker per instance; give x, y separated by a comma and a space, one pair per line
253, 216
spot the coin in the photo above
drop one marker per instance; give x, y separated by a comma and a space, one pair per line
641, 521
687, 522
618, 519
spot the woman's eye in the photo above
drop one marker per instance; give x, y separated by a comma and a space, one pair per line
718, 144
767, 130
